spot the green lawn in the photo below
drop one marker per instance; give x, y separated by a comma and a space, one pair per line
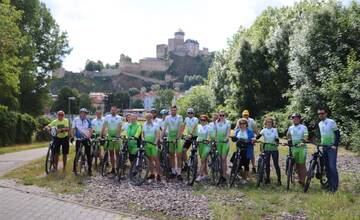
15, 148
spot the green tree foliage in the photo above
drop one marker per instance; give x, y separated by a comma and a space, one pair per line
164, 98
137, 103
45, 47
134, 91
11, 41
119, 99
94, 66
200, 98
192, 80
62, 102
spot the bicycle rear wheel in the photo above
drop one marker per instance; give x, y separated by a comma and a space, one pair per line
261, 171
49, 161
289, 172
310, 175
139, 171
192, 170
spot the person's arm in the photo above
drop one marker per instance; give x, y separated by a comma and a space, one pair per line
337, 135
256, 131
138, 132
277, 140
288, 136
306, 135
119, 129
102, 133
181, 129
157, 135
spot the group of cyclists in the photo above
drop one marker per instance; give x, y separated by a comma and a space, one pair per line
181, 133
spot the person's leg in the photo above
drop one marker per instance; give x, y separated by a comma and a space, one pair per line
267, 166
57, 144
275, 157
246, 168
253, 164
186, 146
65, 151
332, 169
87, 146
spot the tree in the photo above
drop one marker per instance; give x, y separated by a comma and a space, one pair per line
163, 99
137, 103
62, 102
42, 53
119, 99
11, 41
94, 66
85, 102
133, 91
200, 98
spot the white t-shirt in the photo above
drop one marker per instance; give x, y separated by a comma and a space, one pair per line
270, 135
150, 131
298, 133
82, 127
112, 123
173, 123
97, 125
212, 129
327, 128
251, 124
203, 132
242, 134
190, 123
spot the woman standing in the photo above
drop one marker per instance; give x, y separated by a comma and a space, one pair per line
245, 135
204, 148
223, 127
271, 142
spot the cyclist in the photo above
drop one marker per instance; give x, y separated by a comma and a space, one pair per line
151, 133
271, 142
297, 135
81, 129
245, 134
133, 130
156, 120
61, 139
173, 127
163, 114
223, 127
96, 125
113, 126
252, 126
204, 148
330, 138
191, 123
125, 123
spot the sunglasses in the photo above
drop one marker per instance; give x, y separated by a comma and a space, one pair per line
202, 120
222, 115
243, 123
190, 113
60, 114
321, 113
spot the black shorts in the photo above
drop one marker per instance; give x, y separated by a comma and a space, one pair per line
187, 142
244, 162
64, 143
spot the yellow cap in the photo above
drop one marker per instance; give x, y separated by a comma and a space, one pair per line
245, 112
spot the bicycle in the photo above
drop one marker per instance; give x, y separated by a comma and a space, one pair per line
95, 150
289, 168
105, 160
140, 167
214, 164
50, 160
235, 170
80, 162
192, 163
165, 159
316, 168
122, 158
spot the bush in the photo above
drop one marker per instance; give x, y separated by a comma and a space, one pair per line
42, 135
16, 128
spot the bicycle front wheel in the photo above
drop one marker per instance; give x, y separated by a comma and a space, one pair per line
105, 163
192, 170
139, 171
310, 175
49, 161
215, 170
78, 162
289, 172
261, 171
234, 171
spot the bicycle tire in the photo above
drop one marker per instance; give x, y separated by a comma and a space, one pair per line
309, 175
104, 163
77, 161
234, 172
136, 169
289, 172
120, 168
261, 171
215, 170
192, 171
49, 161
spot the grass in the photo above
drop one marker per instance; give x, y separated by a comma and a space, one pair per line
33, 173
15, 148
241, 202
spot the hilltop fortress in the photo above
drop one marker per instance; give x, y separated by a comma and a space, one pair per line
177, 45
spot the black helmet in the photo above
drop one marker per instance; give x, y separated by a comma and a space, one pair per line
296, 114
153, 110
164, 112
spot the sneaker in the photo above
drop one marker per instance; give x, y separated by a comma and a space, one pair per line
254, 170
179, 178
158, 178
151, 176
205, 178
198, 179
243, 182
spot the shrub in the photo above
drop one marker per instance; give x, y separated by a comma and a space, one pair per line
42, 135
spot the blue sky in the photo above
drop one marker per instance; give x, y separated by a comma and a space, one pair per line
102, 30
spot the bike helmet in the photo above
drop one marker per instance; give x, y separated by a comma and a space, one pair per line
153, 110
164, 112
84, 110
298, 115
190, 110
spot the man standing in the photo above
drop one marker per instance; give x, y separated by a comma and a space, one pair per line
330, 139
252, 126
97, 124
81, 129
191, 124
113, 125
61, 139
297, 136
173, 127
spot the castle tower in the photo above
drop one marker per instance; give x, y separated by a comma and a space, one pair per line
179, 34
173, 43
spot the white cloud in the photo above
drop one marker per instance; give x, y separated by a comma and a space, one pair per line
102, 30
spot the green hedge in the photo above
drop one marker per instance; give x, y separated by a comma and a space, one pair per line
42, 135
15, 128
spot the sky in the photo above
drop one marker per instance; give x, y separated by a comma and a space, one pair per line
102, 30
